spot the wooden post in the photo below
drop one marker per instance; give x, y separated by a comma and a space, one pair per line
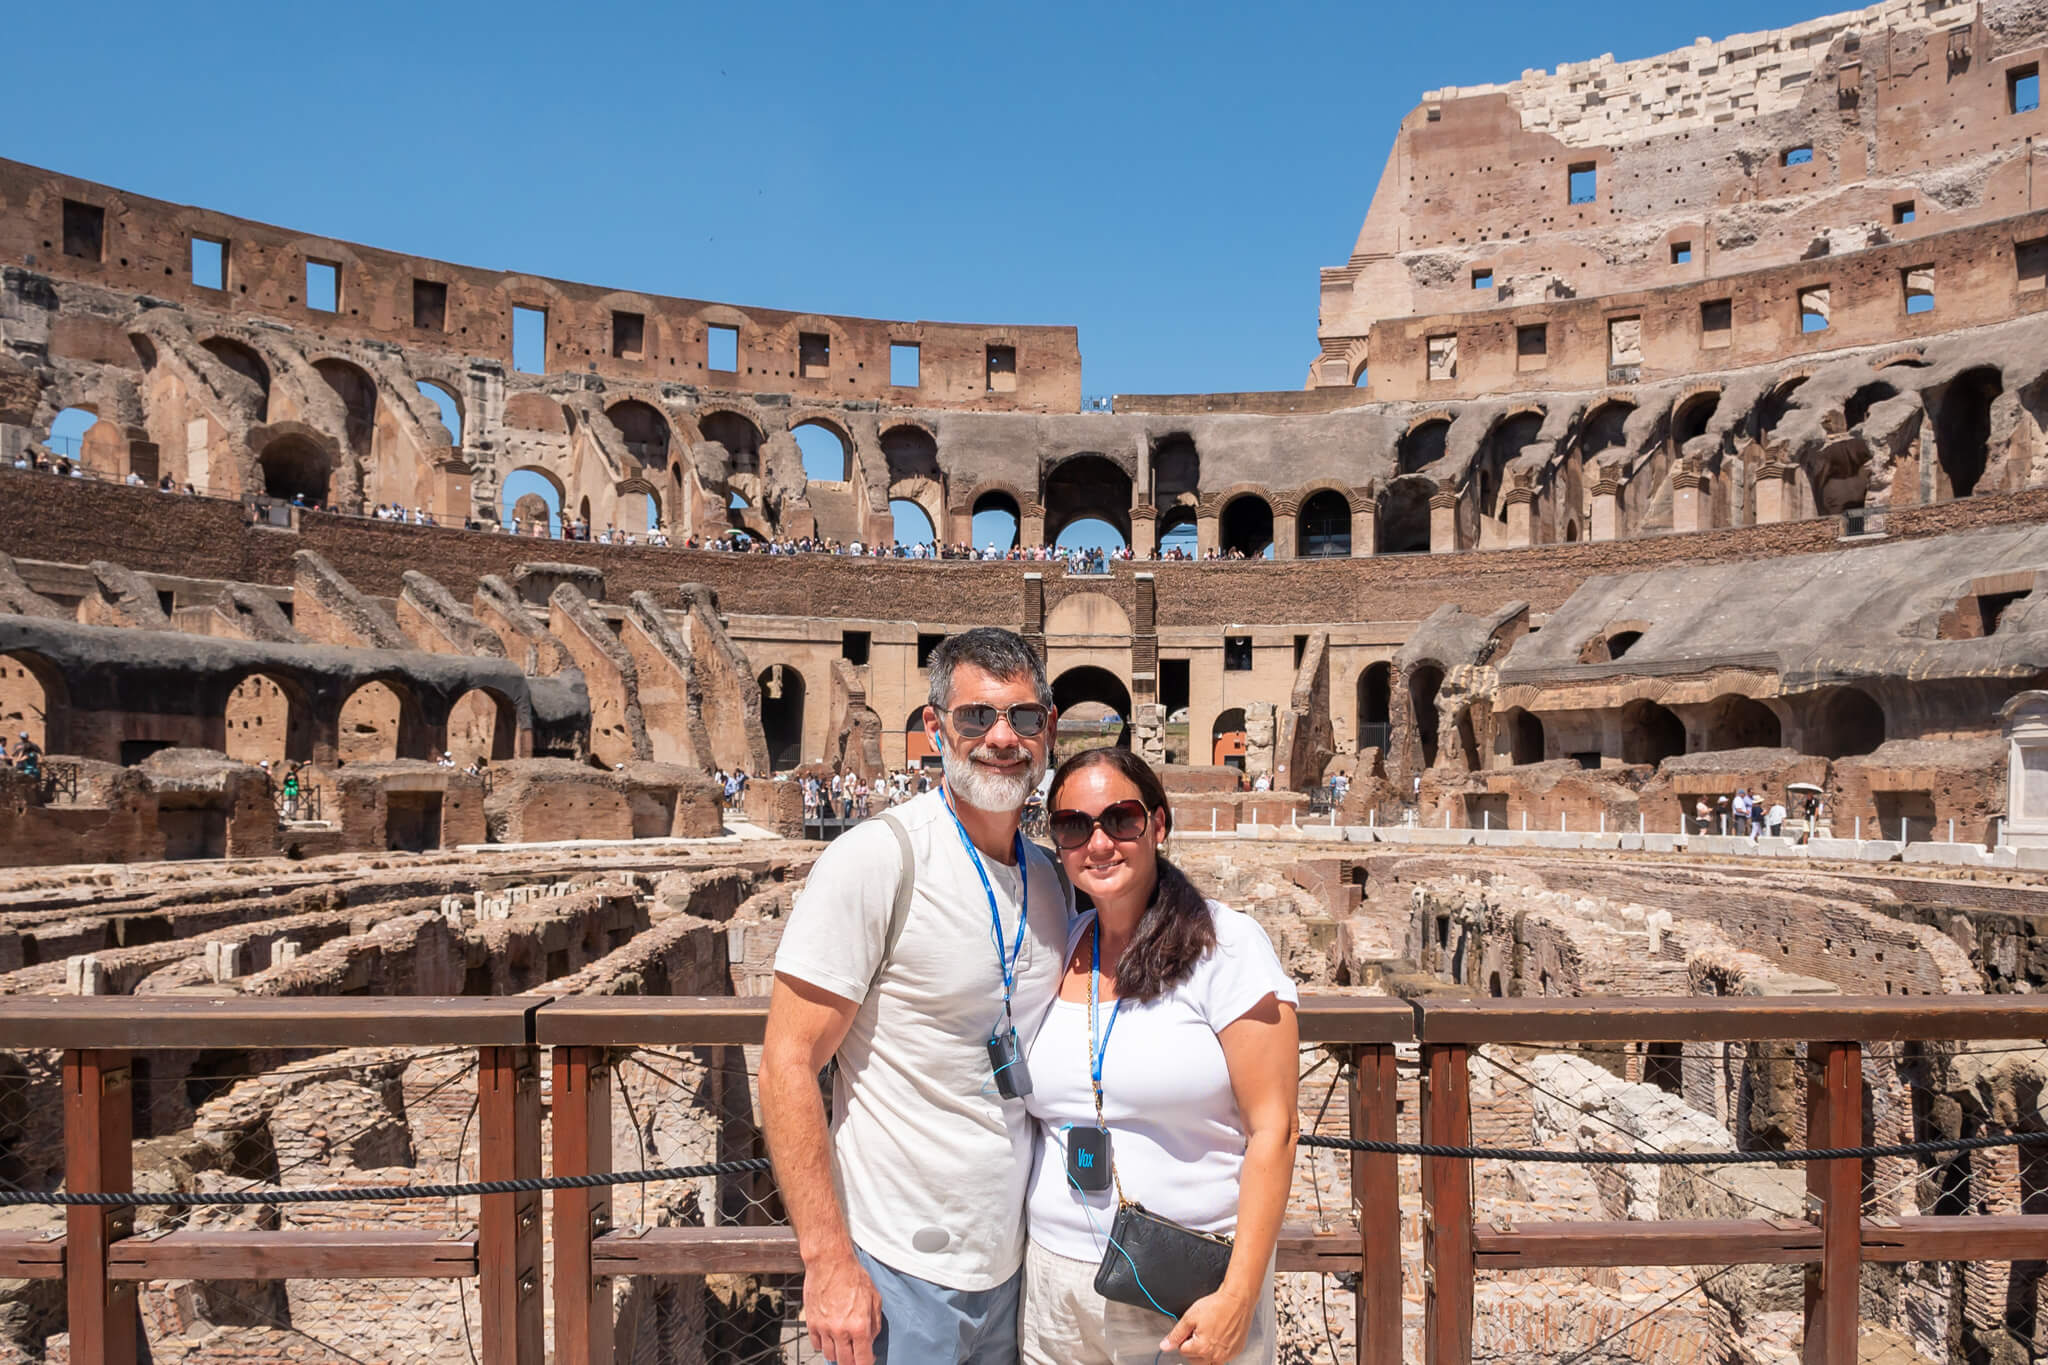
583, 1146
98, 1158
1376, 1195
1834, 1118
508, 1225
1447, 1263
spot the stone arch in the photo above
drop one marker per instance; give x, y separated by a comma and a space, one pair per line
358, 394
1734, 721
782, 715
482, 724
297, 465
1404, 516
1244, 525
1650, 732
645, 430
240, 357
1962, 428
1375, 705
1487, 479
1087, 486
267, 716
927, 497
1423, 444
998, 501
1858, 405
738, 433
33, 698
910, 451
1088, 613
1088, 683
828, 426
1843, 722
513, 496
1519, 735
1691, 413
1323, 526
381, 720
1227, 739
1771, 409
1604, 427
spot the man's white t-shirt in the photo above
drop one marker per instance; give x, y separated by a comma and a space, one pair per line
931, 1164
1176, 1136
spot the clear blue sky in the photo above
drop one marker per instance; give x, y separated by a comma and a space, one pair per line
1167, 178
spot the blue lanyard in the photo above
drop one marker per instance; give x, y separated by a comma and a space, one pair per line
1097, 1053
1008, 961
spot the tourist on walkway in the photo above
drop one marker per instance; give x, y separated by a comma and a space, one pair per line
1776, 818
1191, 1114
290, 790
1741, 810
923, 951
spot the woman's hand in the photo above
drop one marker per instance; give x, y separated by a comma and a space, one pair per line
1213, 1329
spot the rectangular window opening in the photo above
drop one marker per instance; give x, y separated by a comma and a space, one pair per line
629, 335
430, 305
2023, 88
1681, 253
904, 361
1482, 279
1717, 321
1904, 213
814, 355
1002, 369
2030, 259
927, 645
529, 340
85, 230
853, 647
1300, 649
1174, 688
1918, 284
323, 286
721, 347
1585, 183
1813, 309
209, 263
1237, 654
1532, 346
1798, 156
1991, 607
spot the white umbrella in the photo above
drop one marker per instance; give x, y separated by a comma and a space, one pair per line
1803, 787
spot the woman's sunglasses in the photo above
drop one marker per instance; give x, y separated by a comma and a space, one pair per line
1124, 822
973, 721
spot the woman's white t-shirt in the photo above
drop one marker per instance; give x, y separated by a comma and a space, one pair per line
1176, 1136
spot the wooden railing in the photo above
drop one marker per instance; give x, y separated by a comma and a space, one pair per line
102, 1263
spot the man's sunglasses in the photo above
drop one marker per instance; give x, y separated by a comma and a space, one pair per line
1124, 822
973, 721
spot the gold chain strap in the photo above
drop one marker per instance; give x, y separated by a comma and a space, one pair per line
1095, 1067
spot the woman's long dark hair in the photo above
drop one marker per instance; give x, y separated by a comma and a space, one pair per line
1176, 930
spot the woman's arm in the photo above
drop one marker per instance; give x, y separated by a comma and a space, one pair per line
1261, 1048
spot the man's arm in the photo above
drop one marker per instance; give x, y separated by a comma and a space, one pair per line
806, 1024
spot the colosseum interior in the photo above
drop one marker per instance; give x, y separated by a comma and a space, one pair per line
1677, 427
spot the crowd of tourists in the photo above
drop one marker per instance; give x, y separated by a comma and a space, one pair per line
1755, 816
25, 756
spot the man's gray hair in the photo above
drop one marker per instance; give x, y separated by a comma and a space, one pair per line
997, 652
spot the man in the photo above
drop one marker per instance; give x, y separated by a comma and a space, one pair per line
909, 1212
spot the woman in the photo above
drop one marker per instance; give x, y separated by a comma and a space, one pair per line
1194, 1043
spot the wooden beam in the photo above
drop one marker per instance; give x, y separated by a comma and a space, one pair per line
98, 1159
1835, 1119
32, 1255
298, 1253
582, 1110
1376, 1198
508, 1225
1730, 1241
1996, 1237
170, 1021
1713, 1019
1447, 1264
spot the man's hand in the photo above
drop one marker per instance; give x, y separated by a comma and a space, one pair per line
1212, 1330
843, 1309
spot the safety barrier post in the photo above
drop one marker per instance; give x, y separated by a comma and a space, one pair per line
1447, 1264
1834, 1118
582, 1130
1376, 1195
99, 1159
508, 1225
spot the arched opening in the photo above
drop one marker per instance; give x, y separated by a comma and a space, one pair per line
1246, 527
1689, 419
1650, 733
530, 496
1864, 399
1325, 526
1375, 704
1228, 739
1489, 471
1524, 735
828, 458
1493, 987
1404, 517
246, 363
917, 745
295, 468
1962, 428
913, 524
1088, 486
69, 432
1097, 698
910, 453
31, 700
267, 718
583, 516
996, 521
644, 430
740, 437
1734, 721
1571, 531
1090, 533
1180, 533
1621, 642
1176, 469
1423, 685
1423, 446
358, 395
782, 715
1776, 404
450, 408
1606, 428
480, 725
381, 721
1844, 722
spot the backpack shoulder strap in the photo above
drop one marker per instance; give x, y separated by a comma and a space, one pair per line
906, 883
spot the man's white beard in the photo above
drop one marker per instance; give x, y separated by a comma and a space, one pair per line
985, 790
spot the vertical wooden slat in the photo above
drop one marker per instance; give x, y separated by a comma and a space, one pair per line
1376, 1195
1447, 1266
508, 1225
98, 1158
1834, 1118
582, 1102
